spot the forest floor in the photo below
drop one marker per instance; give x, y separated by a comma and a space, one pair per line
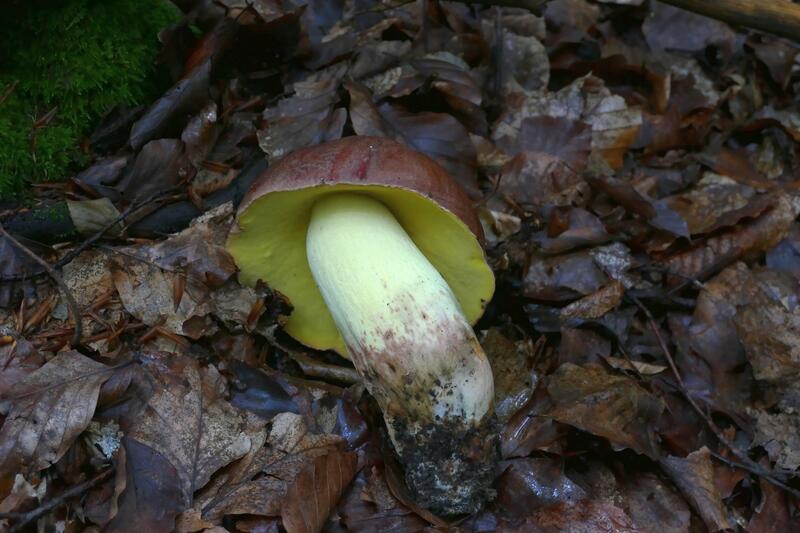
635, 167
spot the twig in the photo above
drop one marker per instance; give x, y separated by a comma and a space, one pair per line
771, 16
135, 206
74, 310
318, 369
23, 519
746, 463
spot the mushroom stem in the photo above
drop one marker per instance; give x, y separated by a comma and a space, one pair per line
407, 336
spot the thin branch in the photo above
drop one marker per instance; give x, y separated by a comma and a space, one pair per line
23, 519
135, 206
746, 462
74, 310
318, 369
771, 16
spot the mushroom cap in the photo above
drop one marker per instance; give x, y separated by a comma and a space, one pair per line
268, 241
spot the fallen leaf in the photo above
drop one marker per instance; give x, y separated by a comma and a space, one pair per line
18, 359
512, 368
772, 514
694, 476
606, 405
527, 485
582, 516
720, 250
562, 277
160, 165
306, 118
316, 490
360, 514
669, 27
188, 421
152, 497
597, 304
47, 410
653, 505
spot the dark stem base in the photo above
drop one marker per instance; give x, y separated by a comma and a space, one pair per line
450, 469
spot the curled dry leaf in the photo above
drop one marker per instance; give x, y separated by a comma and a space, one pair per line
694, 476
168, 114
597, 304
47, 410
160, 165
751, 237
359, 511
615, 407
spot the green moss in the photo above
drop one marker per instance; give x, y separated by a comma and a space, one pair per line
81, 57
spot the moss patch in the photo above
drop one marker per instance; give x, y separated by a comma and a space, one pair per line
81, 58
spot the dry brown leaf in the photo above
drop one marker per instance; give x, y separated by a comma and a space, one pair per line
152, 496
703, 205
359, 514
646, 369
669, 27
316, 490
563, 277
188, 421
196, 262
304, 119
527, 485
47, 410
261, 487
579, 517
607, 405
18, 359
694, 476
720, 250
614, 125
654, 505
778, 430
512, 368
596, 304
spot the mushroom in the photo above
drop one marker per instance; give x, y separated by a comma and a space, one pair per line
379, 251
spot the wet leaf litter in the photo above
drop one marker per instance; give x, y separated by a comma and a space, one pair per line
635, 182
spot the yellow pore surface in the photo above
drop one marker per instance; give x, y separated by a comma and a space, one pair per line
271, 245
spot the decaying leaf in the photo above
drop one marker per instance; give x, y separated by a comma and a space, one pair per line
316, 491
188, 421
604, 404
694, 475
47, 410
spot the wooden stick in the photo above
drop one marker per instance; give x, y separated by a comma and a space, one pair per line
780, 17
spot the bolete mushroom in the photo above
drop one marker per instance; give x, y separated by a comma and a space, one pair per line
379, 251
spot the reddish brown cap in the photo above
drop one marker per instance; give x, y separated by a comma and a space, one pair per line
269, 240
362, 161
